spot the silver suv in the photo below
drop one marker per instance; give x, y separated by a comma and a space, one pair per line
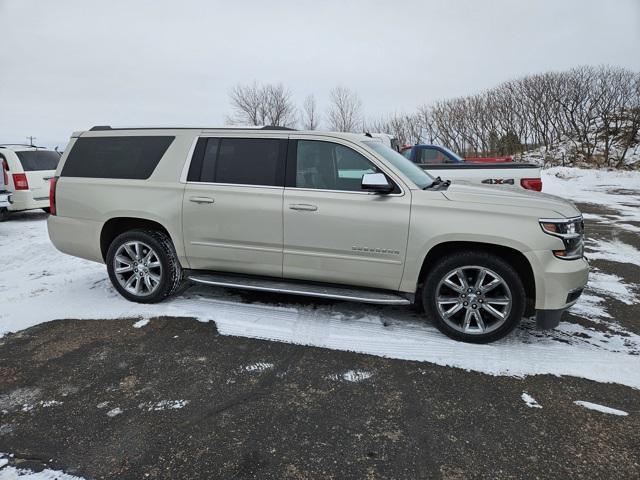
329, 215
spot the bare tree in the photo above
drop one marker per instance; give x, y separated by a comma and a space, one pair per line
262, 105
310, 116
345, 111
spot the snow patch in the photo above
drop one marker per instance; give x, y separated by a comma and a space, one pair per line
530, 401
257, 367
590, 306
113, 412
11, 473
163, 405
613, 286
599, 187
141, 323
601, 408
613, 251
352, 376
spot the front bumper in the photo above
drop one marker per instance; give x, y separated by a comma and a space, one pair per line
549, 319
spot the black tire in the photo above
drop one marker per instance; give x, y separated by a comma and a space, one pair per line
4, 214
170, 273
46, 210
471, 262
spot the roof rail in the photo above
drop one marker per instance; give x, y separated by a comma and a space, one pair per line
19, 145
98, 128
275, 127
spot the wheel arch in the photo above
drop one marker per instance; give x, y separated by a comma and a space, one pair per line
115, 226
512, 256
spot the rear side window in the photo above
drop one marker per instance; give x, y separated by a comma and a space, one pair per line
131, 158
240, 161
35, 160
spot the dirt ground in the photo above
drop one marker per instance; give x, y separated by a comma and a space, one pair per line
175, 399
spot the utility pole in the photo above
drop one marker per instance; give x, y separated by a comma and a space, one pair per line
31, 139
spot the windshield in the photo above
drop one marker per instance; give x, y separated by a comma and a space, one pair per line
418, 176
34, 160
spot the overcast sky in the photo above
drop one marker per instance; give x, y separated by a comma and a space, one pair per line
66, 65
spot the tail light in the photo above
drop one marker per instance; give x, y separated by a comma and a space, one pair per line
532, 184
20, 181
5, 171
53, 184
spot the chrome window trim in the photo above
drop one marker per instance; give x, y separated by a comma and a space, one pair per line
365, 153
189, 159
361, 151
304, 189
187, 163
244, 185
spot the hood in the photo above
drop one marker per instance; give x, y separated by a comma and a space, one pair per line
511, 196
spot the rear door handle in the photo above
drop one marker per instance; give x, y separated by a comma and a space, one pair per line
303, 206
201, 200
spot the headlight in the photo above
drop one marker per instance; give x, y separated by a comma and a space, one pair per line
571, 231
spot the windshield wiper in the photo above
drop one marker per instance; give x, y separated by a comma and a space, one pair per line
438, 181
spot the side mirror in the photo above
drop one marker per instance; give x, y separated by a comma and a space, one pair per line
376, 182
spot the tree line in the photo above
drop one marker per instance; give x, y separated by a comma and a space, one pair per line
594, 111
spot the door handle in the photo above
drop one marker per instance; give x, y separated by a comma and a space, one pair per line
201, 200
303, 206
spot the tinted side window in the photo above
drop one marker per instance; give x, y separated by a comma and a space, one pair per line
330, 166
35, 160
249, 161
430, 155
133, 158
243, 161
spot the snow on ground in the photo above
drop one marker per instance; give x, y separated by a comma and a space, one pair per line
114, 412
599, 187
8, 472
354, 376
141, 323
613, 251
39, 284
257, 367
530, 401
601, 408
163, 405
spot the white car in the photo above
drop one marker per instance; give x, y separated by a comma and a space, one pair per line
5, 195
27, 171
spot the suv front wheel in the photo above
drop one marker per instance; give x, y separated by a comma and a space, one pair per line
474, 297
143, 266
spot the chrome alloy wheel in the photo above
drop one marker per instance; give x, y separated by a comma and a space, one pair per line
473, 300
137, 268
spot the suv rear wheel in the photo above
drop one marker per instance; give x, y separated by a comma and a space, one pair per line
474, 297
143, 266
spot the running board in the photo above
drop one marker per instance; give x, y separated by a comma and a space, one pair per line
292, 287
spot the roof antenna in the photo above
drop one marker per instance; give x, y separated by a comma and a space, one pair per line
368, 134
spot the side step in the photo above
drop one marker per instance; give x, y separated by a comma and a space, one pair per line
292, 287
